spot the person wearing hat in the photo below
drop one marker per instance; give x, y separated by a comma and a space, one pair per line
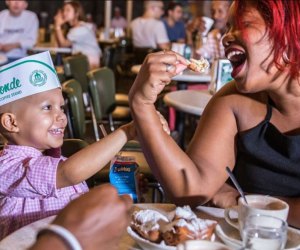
36, 181
18, 30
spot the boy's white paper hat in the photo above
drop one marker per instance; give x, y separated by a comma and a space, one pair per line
27, 76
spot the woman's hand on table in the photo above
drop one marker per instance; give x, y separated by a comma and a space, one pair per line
156, 72
226, 197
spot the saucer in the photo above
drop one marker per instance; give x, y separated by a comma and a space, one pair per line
231, 236
148, 245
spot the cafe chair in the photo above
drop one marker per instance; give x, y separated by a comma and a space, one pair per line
74, 108
71, 146
102, 90
141, 53
76, 67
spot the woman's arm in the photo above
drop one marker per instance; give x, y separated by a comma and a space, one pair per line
195, 177
93, 158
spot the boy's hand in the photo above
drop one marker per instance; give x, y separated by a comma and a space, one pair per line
130, 131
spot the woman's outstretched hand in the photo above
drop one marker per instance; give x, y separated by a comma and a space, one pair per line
156, 72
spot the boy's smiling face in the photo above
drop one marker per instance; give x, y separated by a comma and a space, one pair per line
40, 120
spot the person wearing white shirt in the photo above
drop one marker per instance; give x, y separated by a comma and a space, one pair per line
81, 37
118, 21
18, 30
148, 31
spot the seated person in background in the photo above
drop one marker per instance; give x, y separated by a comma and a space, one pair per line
97, 220
148, 31
174, 24
252, 124
89, 20
36, 180
18, 30
81, 36
118, 21
212, 47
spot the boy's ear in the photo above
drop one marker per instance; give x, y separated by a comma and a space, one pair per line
9, 122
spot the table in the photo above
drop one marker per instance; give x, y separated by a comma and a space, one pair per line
186, 102
52, 49
187, 77
59, 52
25, 237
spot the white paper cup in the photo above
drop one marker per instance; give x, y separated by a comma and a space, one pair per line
208, 24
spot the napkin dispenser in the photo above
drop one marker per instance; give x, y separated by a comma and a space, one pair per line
123, 175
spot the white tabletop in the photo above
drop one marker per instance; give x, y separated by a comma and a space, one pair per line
25, 237
52, 49
191, 76
188, 101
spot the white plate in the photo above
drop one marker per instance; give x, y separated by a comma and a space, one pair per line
202, 245
147, 245
231, 237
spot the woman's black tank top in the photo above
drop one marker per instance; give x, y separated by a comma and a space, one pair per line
268, 162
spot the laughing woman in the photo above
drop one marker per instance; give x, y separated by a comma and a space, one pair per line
252, 124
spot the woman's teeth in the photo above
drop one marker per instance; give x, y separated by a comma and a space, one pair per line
236, 57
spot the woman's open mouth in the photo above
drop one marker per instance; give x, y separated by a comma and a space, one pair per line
237, 59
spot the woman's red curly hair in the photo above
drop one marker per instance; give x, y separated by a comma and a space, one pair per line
282, 18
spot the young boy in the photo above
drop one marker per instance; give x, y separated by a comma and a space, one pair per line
36, 181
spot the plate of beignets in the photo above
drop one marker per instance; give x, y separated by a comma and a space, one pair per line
153, 229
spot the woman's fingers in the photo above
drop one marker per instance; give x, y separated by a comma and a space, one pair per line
169, 61
169, 57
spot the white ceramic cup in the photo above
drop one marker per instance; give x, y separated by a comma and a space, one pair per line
257, 204
208, 24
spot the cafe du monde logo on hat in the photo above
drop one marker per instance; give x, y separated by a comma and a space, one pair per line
28, 76
38, 78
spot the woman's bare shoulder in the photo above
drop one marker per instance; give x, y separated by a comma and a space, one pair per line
248, 108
